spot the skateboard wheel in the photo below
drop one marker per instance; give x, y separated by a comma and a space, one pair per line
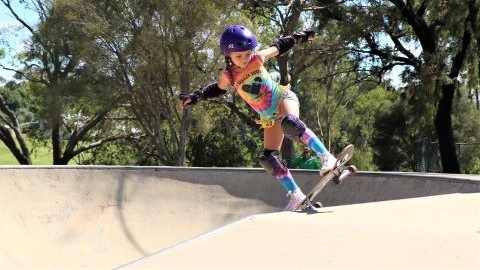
337, 181
352, 169
318, 205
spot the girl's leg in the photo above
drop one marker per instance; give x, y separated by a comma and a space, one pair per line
290, 109
294, 128
272, 142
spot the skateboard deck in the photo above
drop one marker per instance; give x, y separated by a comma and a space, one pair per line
337, 174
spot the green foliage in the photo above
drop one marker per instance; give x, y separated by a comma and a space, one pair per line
466, 119
222, 140
472, 167
134, 57
392, 136
19, 99
466, 126
214, 150
115, 153
360, 124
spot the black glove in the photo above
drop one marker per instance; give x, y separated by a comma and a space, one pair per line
306, 36
191, 99
208, 91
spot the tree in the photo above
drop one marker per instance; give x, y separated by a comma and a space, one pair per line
60, 60
158, 49
10, 129
431, 40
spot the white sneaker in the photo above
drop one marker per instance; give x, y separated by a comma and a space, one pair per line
296, 197
328, 163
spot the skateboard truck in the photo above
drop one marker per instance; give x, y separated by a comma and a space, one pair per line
337, 174
350, 170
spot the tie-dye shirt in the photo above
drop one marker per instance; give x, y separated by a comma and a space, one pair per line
258, 89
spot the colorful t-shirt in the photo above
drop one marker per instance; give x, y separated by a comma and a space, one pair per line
258, 89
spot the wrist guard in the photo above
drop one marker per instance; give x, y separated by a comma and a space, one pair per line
209, 91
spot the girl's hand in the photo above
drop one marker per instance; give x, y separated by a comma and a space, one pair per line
306, 36
186, 99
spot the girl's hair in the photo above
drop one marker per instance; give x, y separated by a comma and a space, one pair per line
228, 68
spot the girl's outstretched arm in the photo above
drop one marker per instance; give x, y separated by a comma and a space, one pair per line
268, 53
211, 90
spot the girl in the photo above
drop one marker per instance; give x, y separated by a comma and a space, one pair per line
277, 106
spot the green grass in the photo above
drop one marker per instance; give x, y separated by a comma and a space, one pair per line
40, 156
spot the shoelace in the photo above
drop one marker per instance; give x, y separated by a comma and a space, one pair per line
324, 159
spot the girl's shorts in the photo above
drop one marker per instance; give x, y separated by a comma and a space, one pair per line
269, 122
290, 95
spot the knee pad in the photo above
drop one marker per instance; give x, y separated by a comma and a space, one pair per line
272, 163
293, 127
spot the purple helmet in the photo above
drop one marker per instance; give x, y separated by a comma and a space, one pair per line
237, 38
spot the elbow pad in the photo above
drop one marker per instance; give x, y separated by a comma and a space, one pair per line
284, 44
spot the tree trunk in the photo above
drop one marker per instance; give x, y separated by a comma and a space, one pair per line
56, 145
443, 126
9, 141
9, 136
185, 81
182, 145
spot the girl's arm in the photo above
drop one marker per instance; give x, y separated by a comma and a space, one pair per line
268, 53
212, 90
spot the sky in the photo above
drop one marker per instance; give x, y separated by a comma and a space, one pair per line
12, 36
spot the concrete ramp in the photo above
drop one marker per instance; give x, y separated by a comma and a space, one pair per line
91, 218
102, 217
441, 232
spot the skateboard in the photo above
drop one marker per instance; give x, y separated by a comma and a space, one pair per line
337, 174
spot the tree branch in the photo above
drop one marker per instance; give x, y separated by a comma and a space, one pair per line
128, 136
425, 34
459, 57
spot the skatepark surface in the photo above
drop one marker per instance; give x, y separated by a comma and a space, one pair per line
425, 233
76, 217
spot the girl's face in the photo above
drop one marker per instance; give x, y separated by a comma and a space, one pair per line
241, 59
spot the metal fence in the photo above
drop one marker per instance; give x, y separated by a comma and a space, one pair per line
427, 156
